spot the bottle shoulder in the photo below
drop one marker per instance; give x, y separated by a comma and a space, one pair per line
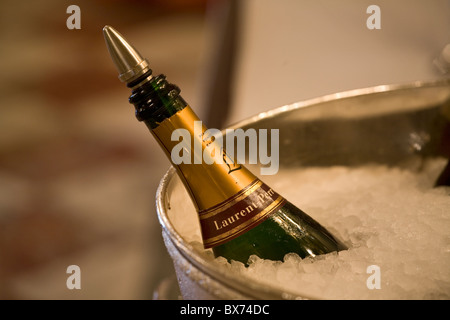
288, 230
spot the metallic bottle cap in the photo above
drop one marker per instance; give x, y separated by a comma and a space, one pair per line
130, 64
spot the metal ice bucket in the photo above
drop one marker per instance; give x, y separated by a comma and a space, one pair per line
389, 124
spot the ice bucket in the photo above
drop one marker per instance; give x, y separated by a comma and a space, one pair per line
387, 124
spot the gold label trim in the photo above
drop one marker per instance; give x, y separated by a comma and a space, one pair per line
230, 202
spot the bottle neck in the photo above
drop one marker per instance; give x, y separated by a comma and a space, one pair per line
209, 175
155, 99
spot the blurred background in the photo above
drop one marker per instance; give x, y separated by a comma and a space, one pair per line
78, 172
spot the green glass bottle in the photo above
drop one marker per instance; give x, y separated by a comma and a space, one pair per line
239, 215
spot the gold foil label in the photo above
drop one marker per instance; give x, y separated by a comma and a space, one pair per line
207, 184
230, 200
240, 213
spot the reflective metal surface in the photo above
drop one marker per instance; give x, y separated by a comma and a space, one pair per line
128, 61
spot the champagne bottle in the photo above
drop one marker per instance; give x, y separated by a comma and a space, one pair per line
239, 214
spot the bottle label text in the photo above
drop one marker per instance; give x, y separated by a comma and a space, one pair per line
237, 215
